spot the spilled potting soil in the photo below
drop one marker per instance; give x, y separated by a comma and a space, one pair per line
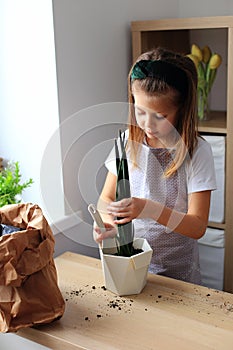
105, 303
96, 303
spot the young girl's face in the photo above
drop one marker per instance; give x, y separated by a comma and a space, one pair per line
156, 116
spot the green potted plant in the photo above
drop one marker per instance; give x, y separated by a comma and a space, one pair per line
125, 237
11, 187
125, 268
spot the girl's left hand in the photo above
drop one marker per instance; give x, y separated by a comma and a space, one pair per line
127, 209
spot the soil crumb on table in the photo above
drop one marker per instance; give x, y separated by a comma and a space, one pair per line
106, 303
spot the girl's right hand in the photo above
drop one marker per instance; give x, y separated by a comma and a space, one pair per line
110, 232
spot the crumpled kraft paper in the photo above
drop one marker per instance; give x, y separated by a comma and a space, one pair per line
29, 294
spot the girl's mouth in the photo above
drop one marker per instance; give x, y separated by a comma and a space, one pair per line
151, 133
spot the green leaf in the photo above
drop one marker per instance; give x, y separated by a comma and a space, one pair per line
10, 184
124, 239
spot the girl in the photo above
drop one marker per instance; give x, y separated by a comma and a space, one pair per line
171, 167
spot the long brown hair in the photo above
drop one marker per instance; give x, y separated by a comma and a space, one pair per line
186, 102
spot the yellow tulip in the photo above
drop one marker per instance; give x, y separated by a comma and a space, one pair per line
195, 50
206, 53
194, 59
206, 64
215, 61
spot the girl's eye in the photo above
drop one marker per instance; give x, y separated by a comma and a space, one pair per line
139, 112
159, 116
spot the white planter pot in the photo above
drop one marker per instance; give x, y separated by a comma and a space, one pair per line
127, 275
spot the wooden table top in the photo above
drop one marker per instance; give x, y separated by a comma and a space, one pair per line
168, 314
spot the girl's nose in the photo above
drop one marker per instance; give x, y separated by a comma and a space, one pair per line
149, 122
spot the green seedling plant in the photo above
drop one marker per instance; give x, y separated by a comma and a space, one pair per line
10, 184
125, 236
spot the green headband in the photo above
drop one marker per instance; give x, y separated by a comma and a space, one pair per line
161, 70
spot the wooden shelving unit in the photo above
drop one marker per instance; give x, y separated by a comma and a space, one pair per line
175, 34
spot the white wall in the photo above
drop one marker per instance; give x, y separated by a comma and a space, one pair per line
205, 8
28, 93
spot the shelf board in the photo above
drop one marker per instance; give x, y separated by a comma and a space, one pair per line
217, 225
216, 124
183, 23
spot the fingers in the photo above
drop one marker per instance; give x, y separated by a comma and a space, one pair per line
122, 221
126, 202
121, 208
99, 235
121, 205
123, 211
121, 214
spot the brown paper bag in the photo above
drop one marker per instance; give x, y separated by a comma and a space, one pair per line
29, 294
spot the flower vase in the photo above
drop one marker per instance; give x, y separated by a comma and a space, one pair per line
203, 107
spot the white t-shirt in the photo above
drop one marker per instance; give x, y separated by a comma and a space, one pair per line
200, 169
